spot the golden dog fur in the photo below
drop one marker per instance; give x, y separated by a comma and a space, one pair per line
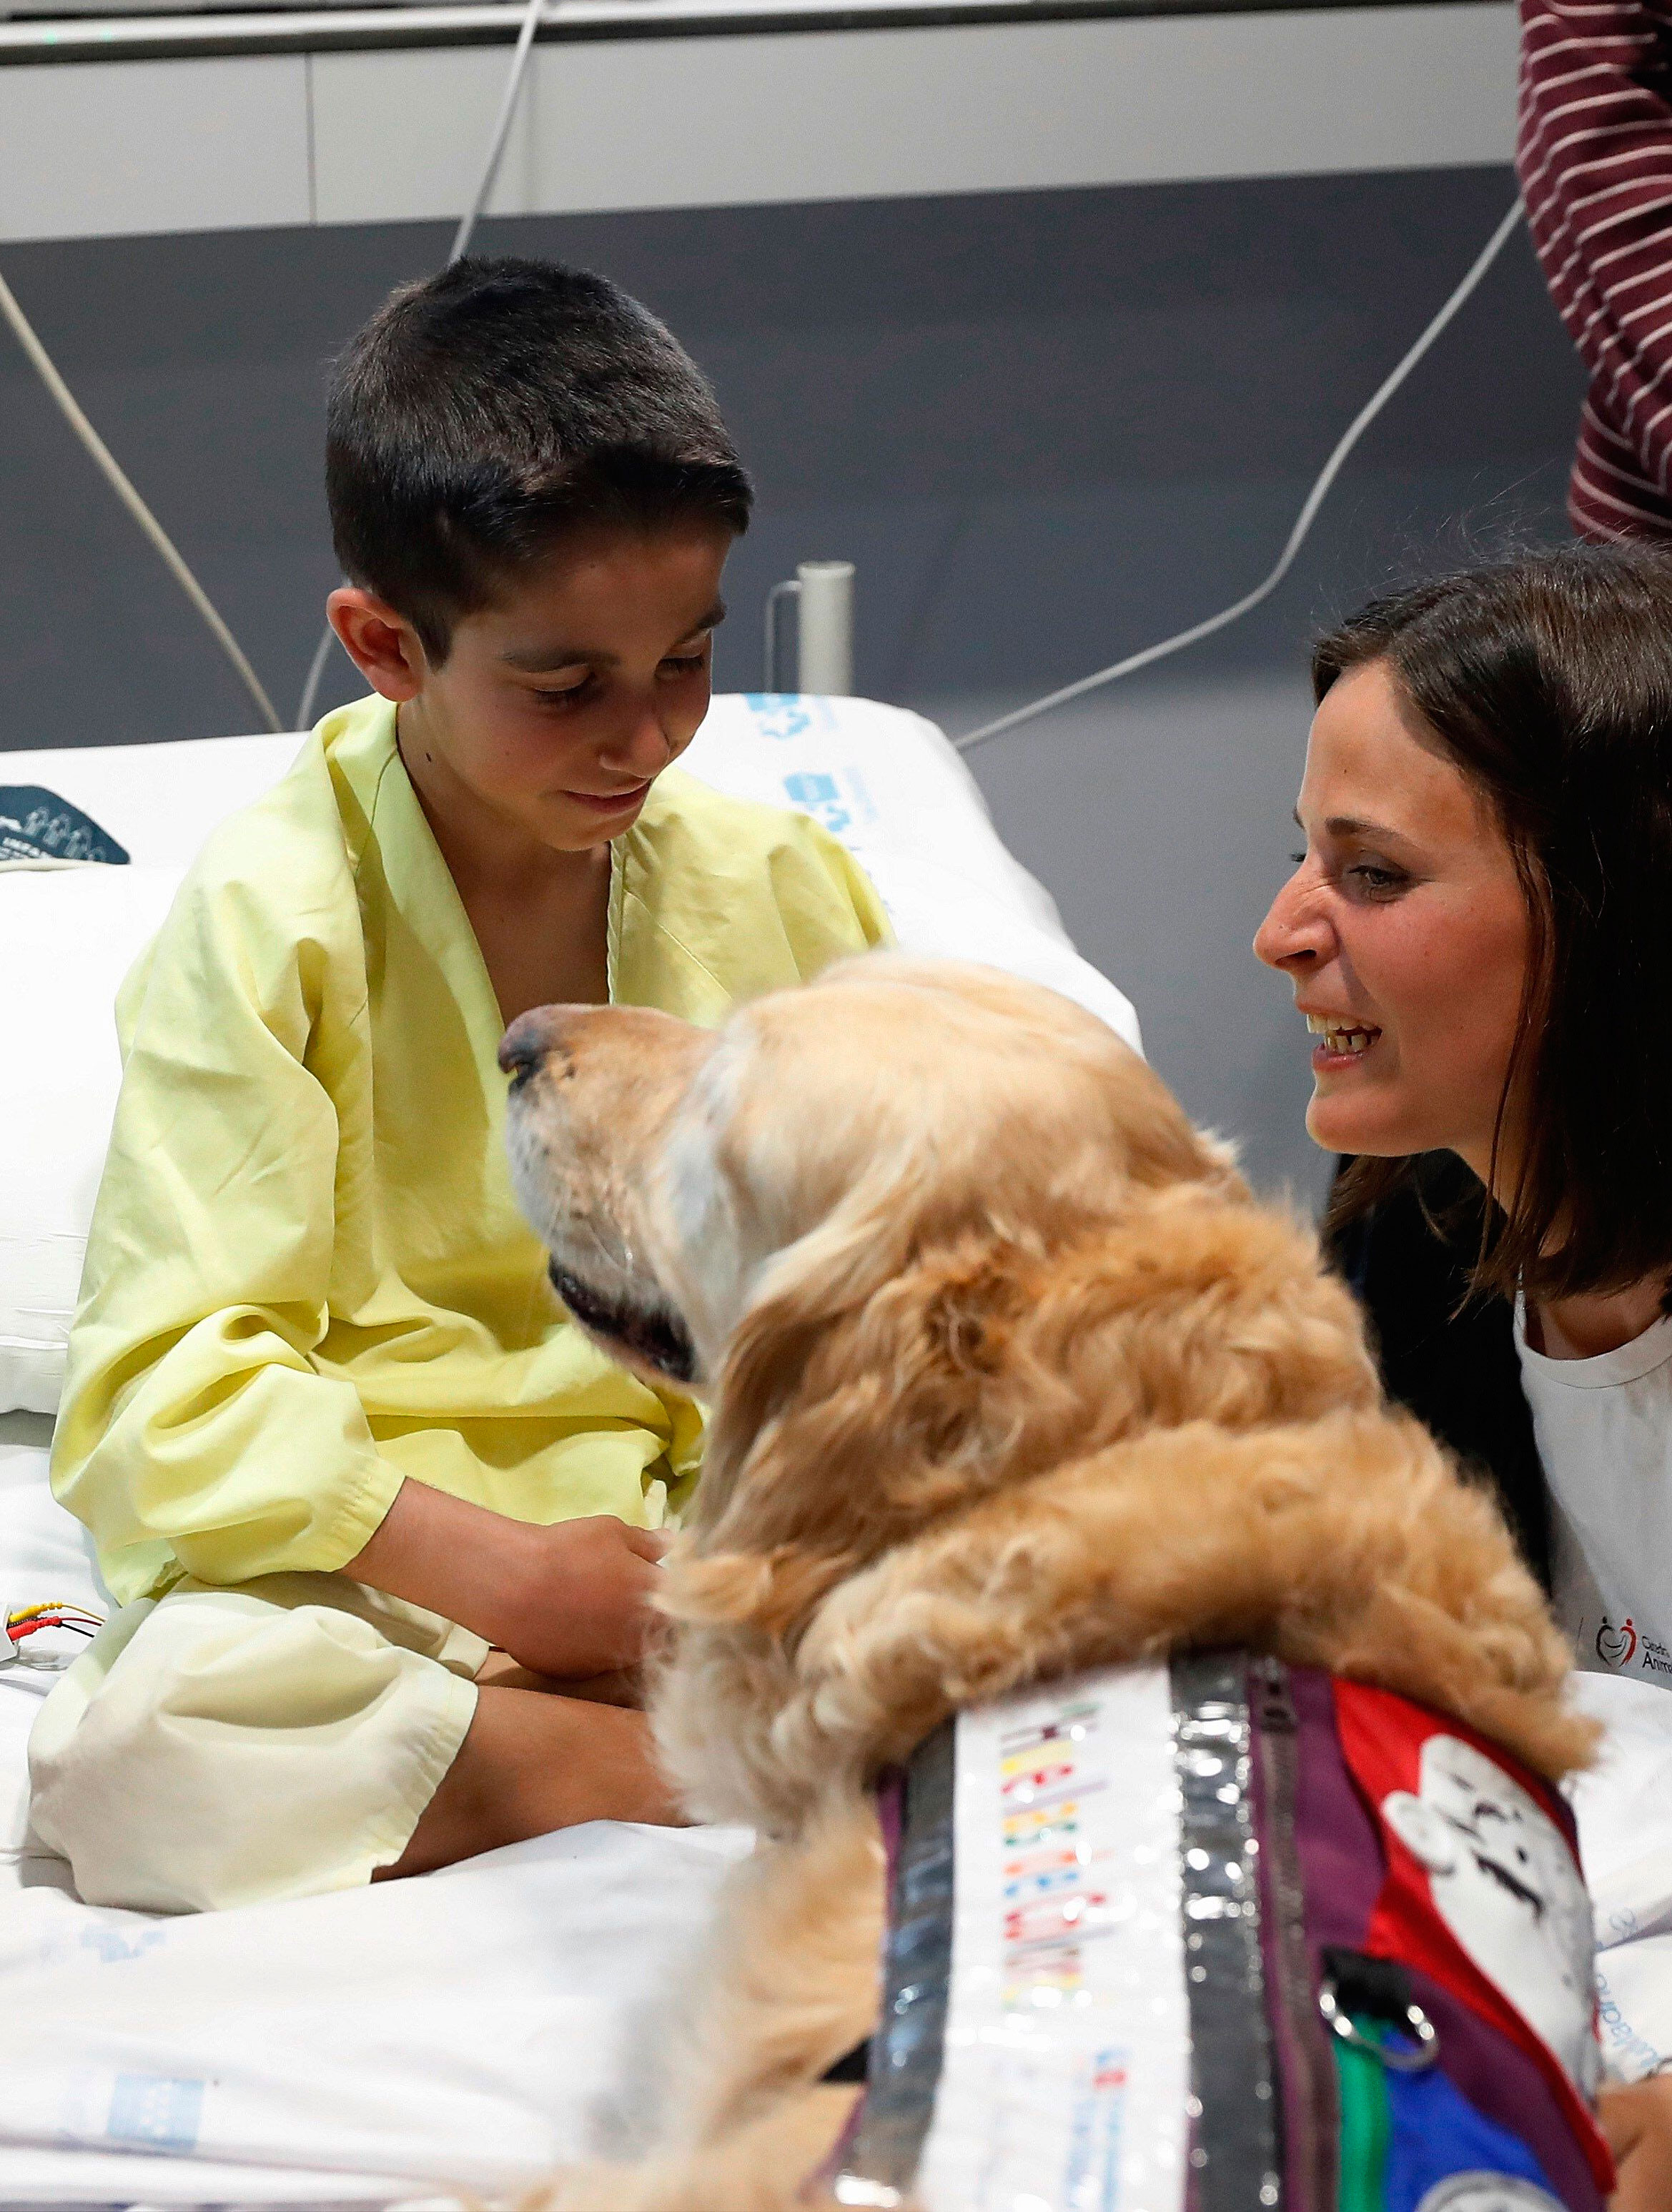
1011, 1378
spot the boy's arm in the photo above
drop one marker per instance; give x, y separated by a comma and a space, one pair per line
196, 1431
570, 1601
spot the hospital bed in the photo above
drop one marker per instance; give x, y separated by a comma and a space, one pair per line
470, 2029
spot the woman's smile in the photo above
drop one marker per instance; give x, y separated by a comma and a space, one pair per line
1343, 1041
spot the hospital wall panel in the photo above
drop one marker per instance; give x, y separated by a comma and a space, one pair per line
1050, 426
745, 120
115, 149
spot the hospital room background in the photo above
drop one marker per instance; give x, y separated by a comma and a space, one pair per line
1047, 426
1045, 315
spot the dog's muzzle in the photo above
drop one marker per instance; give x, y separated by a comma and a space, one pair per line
660, 1340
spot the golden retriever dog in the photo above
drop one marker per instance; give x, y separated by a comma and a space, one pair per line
1011, 1377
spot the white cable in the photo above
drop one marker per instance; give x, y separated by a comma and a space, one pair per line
461, 245
316, 669
1304, 521
43, 365
507, 108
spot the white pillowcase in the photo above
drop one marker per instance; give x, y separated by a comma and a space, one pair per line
67, 937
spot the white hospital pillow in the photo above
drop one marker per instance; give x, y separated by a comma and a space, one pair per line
67, 937
161, 801
891, 786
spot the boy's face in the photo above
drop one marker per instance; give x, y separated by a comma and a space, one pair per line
559, 704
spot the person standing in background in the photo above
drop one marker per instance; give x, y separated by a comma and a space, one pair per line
1594, 154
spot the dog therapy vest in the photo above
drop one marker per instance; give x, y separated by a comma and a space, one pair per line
1225, 1936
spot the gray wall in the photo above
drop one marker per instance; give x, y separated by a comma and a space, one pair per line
1048, 426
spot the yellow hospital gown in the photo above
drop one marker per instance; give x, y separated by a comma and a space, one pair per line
306, 1277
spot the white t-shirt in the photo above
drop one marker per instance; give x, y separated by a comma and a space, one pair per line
1603, 1428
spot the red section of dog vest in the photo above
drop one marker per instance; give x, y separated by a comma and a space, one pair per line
1382, 1736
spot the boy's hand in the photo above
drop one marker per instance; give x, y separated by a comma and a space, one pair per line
572, 1600
579, 1602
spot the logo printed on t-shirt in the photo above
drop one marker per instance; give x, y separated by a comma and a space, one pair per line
1625, 1647
1614, 1646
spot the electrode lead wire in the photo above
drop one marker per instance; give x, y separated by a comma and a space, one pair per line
1297, 536
42, 363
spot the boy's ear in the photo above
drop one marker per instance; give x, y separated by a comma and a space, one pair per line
382, 644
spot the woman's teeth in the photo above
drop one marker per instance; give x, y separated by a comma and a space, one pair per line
1338, 1039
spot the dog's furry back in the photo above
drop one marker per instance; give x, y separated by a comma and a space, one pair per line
1008, 1464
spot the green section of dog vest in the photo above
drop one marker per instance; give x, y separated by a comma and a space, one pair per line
1360, 2084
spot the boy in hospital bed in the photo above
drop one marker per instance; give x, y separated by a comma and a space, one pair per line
381, 1523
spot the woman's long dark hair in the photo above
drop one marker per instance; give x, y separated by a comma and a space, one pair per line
1548, 681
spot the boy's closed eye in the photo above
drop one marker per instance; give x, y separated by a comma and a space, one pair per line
588, 682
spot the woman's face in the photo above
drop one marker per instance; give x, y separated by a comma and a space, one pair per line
1405, 933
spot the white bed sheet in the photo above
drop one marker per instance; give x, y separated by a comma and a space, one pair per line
474, 2027
470, 2028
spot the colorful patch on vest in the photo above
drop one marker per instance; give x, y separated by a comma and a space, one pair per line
1483, 1892
1487, 2192
1413, 2142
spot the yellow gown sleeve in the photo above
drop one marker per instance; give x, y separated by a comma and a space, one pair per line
194, 1433
829, 904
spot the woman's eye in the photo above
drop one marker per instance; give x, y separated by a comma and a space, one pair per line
1376, 882
1298, 859
685, 664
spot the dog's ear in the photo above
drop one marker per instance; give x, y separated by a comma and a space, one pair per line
847, 1418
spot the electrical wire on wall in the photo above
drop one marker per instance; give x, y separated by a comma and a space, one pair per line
170, 553
461, 246
1297, 536
42, 362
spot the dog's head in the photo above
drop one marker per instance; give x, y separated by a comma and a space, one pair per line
844, 1197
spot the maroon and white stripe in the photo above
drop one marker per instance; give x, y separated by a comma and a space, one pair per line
1595, 157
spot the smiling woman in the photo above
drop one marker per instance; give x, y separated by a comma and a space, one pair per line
1474, 929
1475, 933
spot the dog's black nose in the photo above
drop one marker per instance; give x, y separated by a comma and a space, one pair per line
521, 1048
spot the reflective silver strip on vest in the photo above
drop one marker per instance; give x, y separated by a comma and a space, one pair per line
1234, 2155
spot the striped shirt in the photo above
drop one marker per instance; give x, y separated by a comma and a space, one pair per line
1595, 157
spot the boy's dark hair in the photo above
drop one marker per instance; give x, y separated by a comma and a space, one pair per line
1548, 681
485, 414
